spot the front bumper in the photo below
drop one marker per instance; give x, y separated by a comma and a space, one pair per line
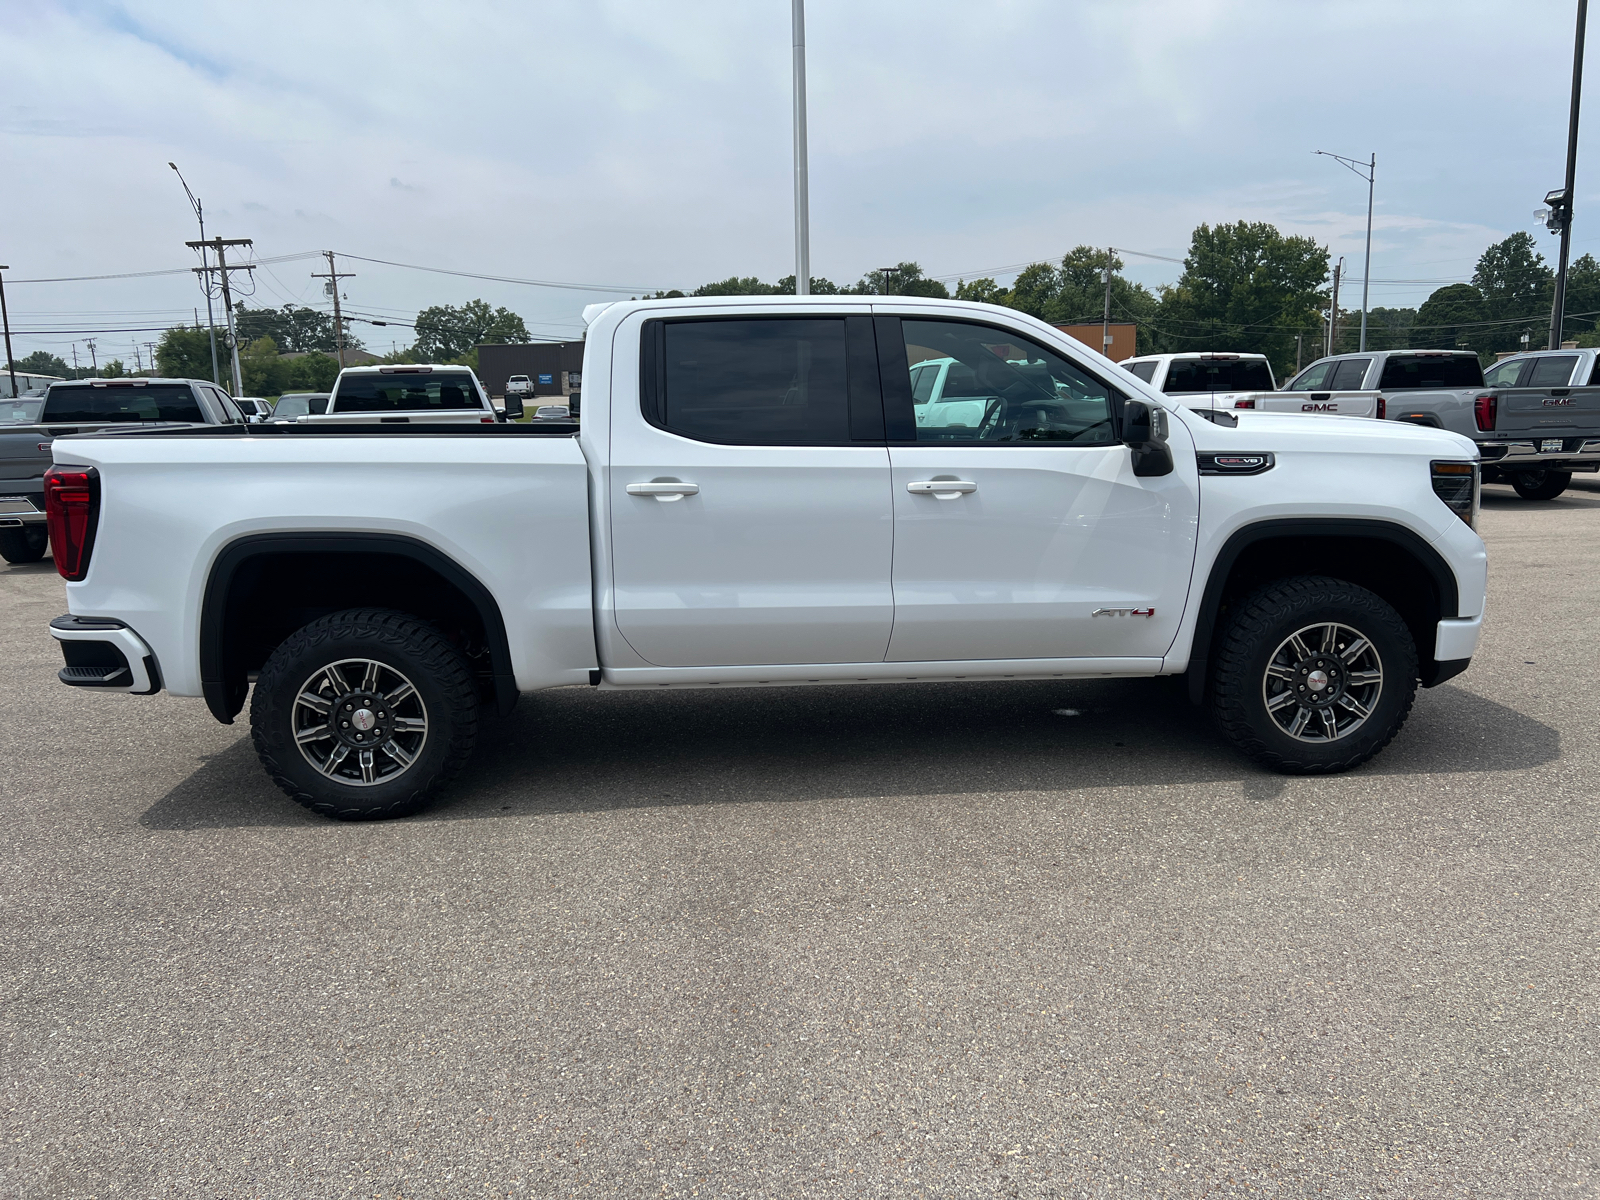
21, 508
1540, 454
103, 653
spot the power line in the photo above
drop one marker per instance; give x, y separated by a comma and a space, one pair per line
576, 287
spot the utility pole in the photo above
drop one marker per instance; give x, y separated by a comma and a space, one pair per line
1105, 320
1558, 309
802, 204
75, 360
11, 363
1299, 346
220, 245
94, 363
1333, 311
333, 276
205, 269
151, 346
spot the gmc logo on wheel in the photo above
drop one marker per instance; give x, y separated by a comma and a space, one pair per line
1319, 408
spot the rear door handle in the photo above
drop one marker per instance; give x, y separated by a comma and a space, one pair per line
941, 489
664, 489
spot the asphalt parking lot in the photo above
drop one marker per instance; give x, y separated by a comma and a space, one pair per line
956, 940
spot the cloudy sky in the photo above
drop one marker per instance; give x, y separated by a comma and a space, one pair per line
639, 144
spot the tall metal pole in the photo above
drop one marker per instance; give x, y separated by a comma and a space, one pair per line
802, 204
1105, 321
1558, 309
227, 303
1366, 272
11, 363
211, 321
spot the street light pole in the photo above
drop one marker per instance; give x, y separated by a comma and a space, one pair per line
11, 363
1370, 174
1558, 307
802, 203
211, 322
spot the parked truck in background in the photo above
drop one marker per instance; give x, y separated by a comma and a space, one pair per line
1533, 425
750, 501
1215, 381
81, 406
398, 395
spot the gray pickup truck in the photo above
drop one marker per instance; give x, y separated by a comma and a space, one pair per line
82, 406
1535, 417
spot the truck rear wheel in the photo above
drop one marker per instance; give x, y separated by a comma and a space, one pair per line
1313, 675
1541, 485
364, 714
25, 545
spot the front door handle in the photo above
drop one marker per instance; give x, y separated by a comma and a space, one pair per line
664, 489
941, 489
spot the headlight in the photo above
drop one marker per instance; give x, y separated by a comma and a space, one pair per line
1458, 485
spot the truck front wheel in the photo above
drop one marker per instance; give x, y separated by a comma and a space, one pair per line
364, 714
1313, 675
1541, 485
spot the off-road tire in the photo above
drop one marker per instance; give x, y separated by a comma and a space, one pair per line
403, 644
1258, 628
25, 545
1541, 485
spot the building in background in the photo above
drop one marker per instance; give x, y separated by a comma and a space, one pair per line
554, 367
1124, 338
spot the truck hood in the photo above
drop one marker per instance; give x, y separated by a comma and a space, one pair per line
1328, 434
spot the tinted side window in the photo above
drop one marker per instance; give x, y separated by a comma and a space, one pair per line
1348, 374
1145, 370
1311, 379
751, 382
1003, 387
1504, 374
1409, 372
1554, 371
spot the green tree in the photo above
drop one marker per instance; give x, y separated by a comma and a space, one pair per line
819, 287
262, 371
293, 328
982, 291
42, 362
1583, 297
906, 279
1517, 288
1452, 317
1387, 329
1074, 293
446, 332
113, 370
736, 285
312, 373
1244, 287
185, 353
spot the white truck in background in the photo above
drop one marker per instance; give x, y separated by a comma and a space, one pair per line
1215, 381
420, 393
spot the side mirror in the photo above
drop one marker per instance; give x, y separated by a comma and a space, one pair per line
574, 402
1144, 430
514, 410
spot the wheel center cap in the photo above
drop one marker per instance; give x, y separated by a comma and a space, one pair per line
1316, 681
363, 719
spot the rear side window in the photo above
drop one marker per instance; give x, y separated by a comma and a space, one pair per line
1186, 376
1553, 371
438, 390
1312, 379
1145, 370
1411, 372
110, 405
1504, 374
1348, 374
755, 382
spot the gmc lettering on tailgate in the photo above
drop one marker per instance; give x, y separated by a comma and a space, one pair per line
1319, 408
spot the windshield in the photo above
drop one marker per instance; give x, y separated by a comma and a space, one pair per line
1188, 375
20, 411
1410, 372
139, 402
406, 393
300, 404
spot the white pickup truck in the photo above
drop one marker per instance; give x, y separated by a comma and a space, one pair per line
1211, 381
750, 502
401, 395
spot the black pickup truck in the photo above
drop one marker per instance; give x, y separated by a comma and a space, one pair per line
81, 406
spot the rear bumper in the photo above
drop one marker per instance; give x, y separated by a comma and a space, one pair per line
1540, 454
21, 508
103, 653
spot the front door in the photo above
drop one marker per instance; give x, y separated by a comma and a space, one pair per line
751, 521
1021, 531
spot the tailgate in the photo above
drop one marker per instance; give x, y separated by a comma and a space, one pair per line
1559, 412
458, 416
24, 455
1333, 404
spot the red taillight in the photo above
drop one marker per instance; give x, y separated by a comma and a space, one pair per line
72, 510
1484, 411
1244, 403
1383, 408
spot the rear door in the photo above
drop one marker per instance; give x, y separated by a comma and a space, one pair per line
1023, 533
749, 493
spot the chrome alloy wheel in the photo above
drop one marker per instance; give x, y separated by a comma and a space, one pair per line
359, 722
1322, 682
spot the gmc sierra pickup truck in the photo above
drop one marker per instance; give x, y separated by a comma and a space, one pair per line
1533, 425
1212, 381
750, 502
78, 406
400, 395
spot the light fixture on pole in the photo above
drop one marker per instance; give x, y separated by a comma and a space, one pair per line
802, 202
211, 322
1558, 216
1369, 172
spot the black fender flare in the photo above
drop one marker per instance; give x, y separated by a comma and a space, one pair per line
225, 698
1428, 558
